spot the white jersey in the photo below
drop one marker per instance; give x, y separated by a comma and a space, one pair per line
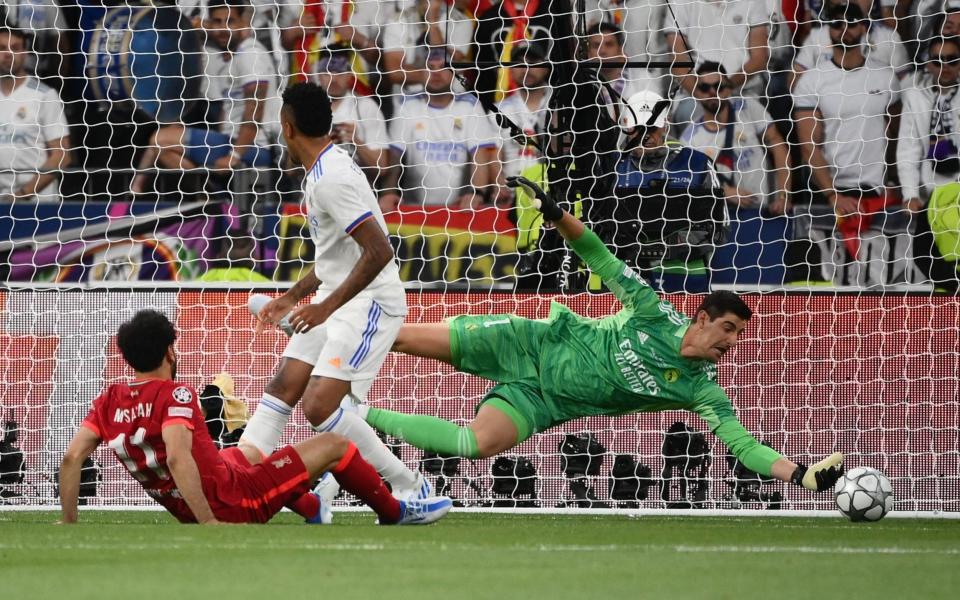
229, 74
438, 144
745, 161
338, 200
641, 21
406, 31
930, 118
517, 158
366, 116
854, 105
882, 48
30, 117
718, 31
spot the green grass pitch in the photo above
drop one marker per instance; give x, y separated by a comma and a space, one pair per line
144, 555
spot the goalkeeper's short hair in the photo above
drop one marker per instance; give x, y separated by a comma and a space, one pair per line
721, 302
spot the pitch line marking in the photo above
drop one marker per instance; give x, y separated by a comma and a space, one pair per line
366, 547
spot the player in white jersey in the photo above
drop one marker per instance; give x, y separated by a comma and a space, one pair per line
33, 131
342, 337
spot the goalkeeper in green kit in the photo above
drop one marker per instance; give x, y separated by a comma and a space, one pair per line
648, 357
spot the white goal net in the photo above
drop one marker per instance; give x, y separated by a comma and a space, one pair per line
806, 154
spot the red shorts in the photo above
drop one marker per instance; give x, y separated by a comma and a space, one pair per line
264, 488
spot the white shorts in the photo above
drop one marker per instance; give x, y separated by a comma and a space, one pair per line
350, 346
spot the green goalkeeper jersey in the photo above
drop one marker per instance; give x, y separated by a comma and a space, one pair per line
630, 362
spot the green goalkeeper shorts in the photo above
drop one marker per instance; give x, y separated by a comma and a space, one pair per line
505, 349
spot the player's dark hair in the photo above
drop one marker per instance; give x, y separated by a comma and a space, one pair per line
309, 107
610, 29
709, 67
238, 6
721, 302
144, 339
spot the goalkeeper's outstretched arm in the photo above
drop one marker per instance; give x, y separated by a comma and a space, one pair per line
586, 243
758, 458
628, 287
768, 462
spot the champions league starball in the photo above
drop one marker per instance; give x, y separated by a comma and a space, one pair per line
864, 494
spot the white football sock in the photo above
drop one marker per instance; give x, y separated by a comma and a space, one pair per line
374, 451
267, 423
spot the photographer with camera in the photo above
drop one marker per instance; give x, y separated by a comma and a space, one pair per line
12, 465
667, 209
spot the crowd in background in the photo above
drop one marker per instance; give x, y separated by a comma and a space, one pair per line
825, 109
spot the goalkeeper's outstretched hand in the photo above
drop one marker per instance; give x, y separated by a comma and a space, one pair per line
820, 476
541, 200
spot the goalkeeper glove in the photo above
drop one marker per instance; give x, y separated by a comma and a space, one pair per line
821, 476
541, 200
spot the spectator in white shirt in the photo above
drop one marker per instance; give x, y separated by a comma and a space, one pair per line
358, 124
928, 152
734, 33
605, 42
640, 20
241, 78
445, 143
44, 20
882, 46
273, 21
842, 113
527, 106
34, 139
740, 137
842, 108
420, 25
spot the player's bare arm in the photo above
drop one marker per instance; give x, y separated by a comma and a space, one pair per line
273, 311
183, 468
377, 253
82, 445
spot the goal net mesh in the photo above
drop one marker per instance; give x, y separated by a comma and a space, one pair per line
142, 165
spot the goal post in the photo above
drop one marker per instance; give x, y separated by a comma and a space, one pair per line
873, 376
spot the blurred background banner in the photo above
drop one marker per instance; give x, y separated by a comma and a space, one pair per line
434, 245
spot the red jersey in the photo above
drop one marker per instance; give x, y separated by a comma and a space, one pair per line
130, 418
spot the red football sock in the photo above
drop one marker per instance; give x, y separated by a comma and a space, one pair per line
360, 479
307, 506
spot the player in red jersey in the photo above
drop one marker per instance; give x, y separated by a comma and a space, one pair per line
155, 427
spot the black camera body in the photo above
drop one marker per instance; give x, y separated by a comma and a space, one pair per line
686, 457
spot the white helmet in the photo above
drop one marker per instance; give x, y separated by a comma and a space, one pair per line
638, 109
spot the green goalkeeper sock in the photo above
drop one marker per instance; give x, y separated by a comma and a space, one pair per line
426, 433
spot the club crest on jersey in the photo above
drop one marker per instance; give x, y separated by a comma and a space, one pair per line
282, 462
22, 113
671, 375
182, 395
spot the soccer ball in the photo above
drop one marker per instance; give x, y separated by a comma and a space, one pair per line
864, 494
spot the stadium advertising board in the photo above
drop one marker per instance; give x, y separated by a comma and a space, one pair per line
875, 377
